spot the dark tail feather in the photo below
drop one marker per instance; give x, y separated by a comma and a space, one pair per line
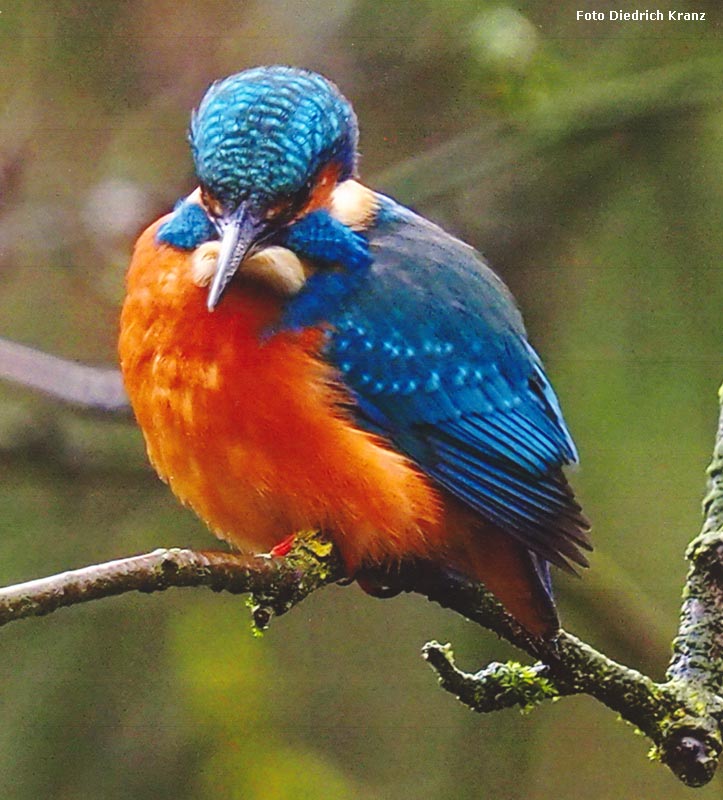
519, 578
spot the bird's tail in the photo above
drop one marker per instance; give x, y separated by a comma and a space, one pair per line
519, 578
483, 552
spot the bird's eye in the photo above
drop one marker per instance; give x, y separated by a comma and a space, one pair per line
210, 203
280, 211
288, 207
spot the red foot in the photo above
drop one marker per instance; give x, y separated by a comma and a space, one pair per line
282, 548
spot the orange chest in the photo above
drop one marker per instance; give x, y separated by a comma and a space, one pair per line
247, 429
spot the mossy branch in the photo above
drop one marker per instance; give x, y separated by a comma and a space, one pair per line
276, 585
682, 720
682, 716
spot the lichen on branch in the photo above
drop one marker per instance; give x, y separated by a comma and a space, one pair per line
682, 716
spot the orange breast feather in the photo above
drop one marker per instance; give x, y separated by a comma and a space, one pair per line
248, 430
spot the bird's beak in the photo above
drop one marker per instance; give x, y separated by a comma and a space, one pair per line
240, 230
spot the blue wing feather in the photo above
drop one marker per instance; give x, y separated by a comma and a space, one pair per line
434, 350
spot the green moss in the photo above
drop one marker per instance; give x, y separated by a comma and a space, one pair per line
521, 683
311, 563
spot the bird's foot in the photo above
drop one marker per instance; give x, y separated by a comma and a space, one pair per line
283, 548
378, 583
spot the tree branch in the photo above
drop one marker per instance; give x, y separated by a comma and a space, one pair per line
276, 585
86, 387
683, 725
682, 716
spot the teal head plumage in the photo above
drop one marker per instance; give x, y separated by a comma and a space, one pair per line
264, 134
263, 141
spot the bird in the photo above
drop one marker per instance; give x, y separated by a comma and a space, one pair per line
303, 352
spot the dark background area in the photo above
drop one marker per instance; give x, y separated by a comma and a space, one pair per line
585, 161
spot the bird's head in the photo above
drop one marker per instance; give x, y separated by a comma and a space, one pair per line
269, 144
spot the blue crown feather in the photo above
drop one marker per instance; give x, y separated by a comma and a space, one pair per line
265, 133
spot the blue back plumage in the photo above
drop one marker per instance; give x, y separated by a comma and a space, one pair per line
262, 134
434, 349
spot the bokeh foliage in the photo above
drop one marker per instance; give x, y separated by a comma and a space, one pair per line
586, 161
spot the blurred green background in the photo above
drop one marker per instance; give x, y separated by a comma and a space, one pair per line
584, 159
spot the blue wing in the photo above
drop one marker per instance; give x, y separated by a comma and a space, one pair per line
435, 352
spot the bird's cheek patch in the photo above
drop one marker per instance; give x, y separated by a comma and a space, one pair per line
276, 267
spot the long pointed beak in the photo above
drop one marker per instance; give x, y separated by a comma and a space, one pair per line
239, 233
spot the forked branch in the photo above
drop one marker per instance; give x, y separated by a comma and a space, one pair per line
682, 715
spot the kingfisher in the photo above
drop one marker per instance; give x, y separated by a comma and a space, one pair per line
305, 353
